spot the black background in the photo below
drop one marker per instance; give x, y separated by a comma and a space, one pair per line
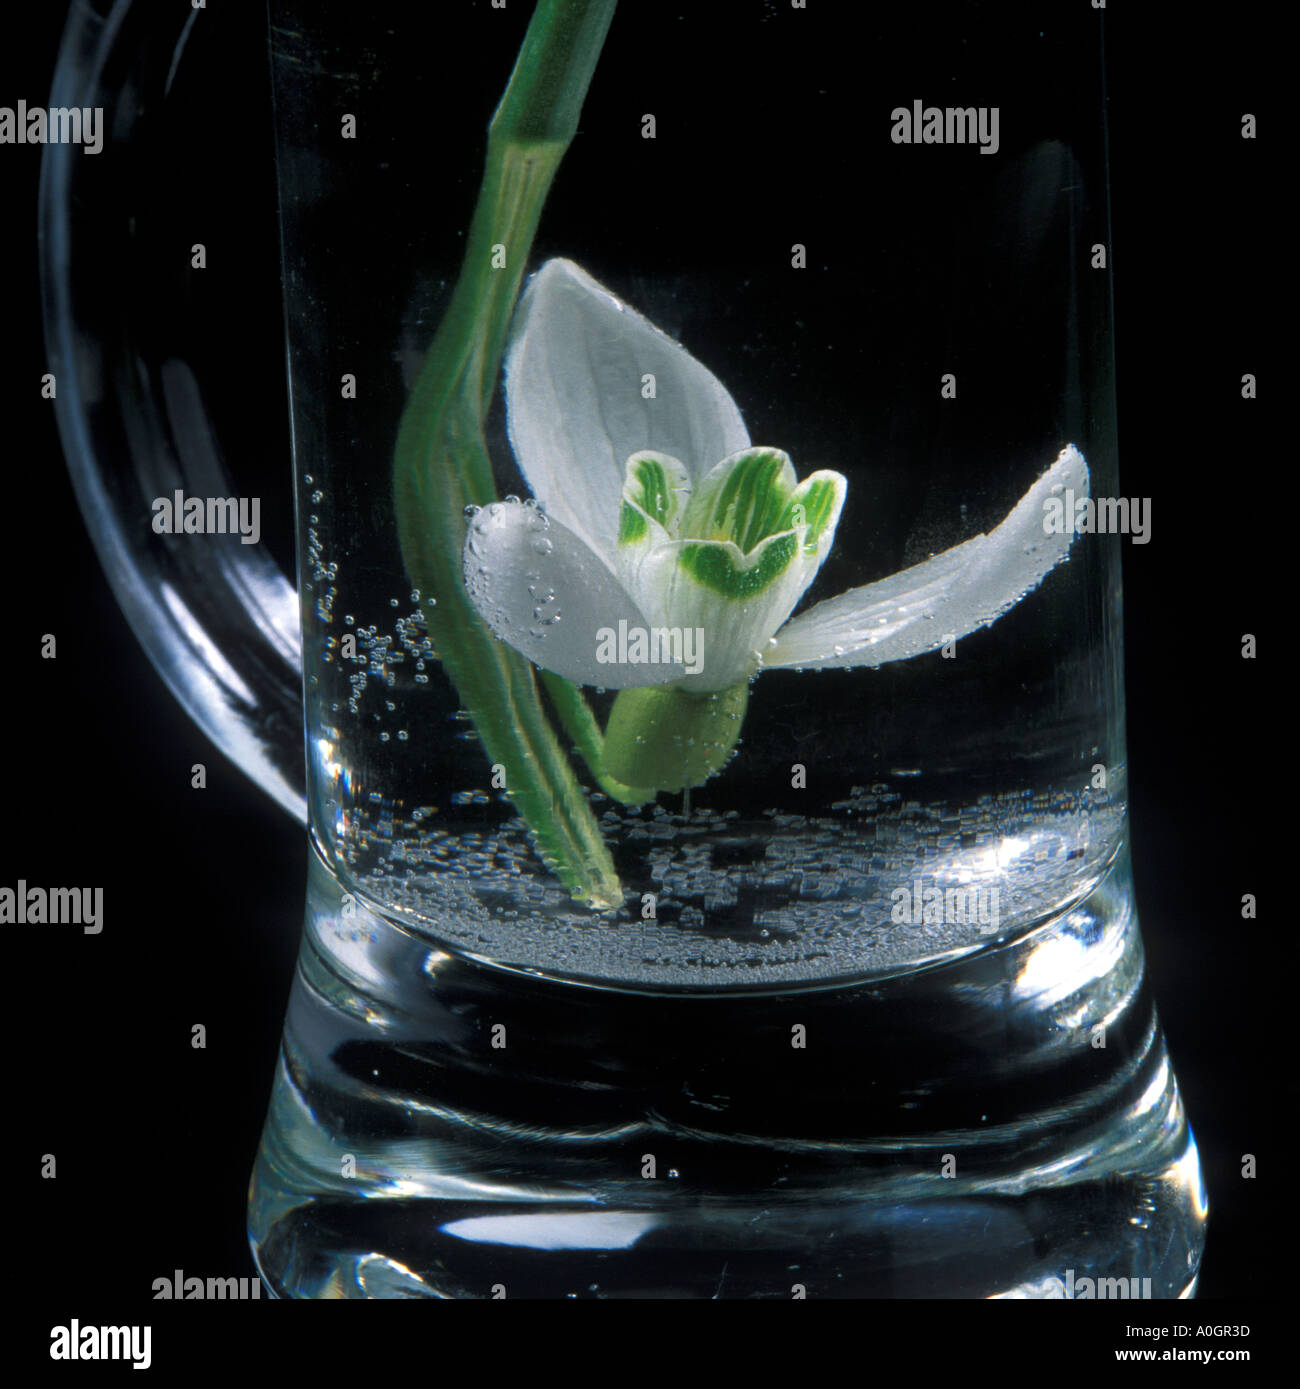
203, 890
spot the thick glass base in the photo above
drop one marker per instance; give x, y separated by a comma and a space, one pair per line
1002, 1124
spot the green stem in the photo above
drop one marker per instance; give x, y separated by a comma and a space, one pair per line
441, 464
580, 724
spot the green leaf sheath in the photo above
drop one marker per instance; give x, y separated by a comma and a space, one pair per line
442, 465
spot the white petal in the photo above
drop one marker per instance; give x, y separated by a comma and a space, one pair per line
726, 632
575, 407
751, 510
640, 533
544, 591
919, 609
730, 601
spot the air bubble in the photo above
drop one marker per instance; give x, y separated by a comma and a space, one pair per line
542, 545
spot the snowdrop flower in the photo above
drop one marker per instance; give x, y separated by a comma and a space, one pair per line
662, 553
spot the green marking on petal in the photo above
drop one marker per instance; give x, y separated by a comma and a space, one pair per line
751, 500
657, 498
654, 489
815, 503
714, 566
742, 499
632, 525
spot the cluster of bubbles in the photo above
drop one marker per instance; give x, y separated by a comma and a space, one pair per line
764, 898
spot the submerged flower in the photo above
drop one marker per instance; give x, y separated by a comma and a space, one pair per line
663, 549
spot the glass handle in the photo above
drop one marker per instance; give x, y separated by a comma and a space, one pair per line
217, 616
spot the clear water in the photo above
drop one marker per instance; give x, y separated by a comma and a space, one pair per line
741, 900
405, 1154
1002, 767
